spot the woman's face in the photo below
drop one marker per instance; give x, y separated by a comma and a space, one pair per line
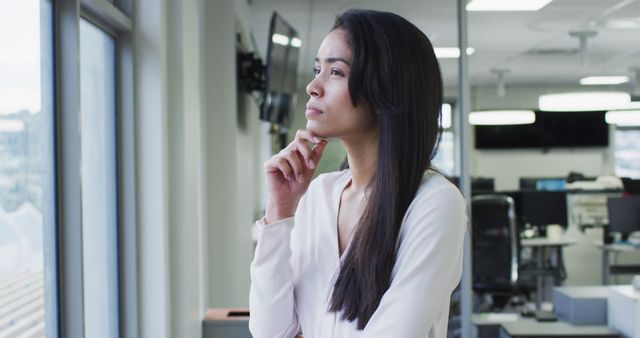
330, 112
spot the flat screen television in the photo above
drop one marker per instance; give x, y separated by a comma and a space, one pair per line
283, 50
550, 130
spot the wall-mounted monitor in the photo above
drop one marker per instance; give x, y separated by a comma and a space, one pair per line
550, 130
283, 50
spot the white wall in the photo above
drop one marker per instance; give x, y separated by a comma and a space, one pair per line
507, 166
184, 134
151, 115
232, 161
199, 164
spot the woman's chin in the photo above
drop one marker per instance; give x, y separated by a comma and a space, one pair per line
316, 130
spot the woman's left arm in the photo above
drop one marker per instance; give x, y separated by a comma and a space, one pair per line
427, 269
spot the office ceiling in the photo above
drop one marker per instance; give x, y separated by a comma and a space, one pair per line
535, 47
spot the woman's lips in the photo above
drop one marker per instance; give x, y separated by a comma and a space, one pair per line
312, 112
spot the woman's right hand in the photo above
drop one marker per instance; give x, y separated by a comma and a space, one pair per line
289, 174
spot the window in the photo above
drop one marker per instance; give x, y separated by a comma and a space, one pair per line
627, 153
444, 159
54, 184
27, 216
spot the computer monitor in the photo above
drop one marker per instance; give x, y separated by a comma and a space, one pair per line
624, 215
542, 207
479, 185
483, 184
542, 183
551, 184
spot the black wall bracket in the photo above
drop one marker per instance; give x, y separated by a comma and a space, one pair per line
252, 73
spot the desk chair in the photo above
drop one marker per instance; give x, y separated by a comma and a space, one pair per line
495, 247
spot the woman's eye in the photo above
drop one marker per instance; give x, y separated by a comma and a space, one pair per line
336, 72
316, 70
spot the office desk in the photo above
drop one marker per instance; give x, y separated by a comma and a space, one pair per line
608, 268
226, 323
531, 328
542, 246
487, 325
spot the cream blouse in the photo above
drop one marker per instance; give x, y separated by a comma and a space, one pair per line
296, 263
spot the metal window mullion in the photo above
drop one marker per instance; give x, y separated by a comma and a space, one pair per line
49, 203
466, 297
89, 17
68, 146
126, 157
126, 6
109, 18
117, 23
106, 15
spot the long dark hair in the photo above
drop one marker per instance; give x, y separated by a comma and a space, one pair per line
394, 68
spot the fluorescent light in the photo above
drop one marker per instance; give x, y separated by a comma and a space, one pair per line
11, 126
446, 116
451, 52
584, 101
501, 117
621, 23
295, 42
623, 117
604, 80
506, 5
280, 39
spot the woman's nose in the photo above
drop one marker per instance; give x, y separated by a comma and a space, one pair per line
314, 89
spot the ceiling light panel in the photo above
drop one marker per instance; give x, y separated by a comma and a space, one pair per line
501, 117
506, 5
451, 52
624, 118
584, 101
604, 80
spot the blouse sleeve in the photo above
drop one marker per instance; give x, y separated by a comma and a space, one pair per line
271, 300
427, 270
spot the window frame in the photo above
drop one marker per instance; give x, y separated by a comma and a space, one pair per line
114, 19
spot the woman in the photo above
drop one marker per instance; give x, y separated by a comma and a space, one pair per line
374, 250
